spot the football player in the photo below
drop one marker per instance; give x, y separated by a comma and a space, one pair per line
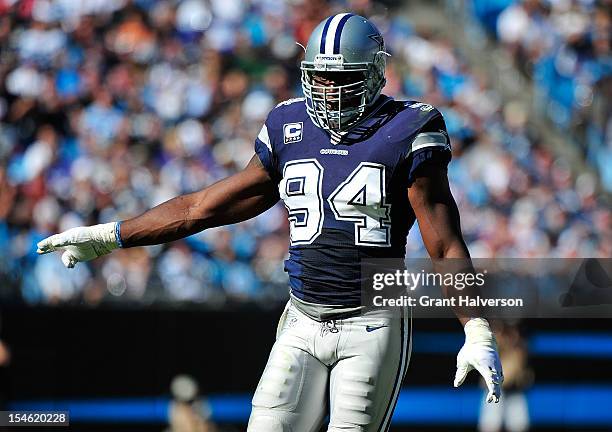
355, 169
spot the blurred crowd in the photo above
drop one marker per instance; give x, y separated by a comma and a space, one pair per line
110, 107
565, 46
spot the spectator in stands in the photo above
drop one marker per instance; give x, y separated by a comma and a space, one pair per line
565, 47
188, 411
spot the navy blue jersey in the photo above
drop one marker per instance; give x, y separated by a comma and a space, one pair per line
348, 201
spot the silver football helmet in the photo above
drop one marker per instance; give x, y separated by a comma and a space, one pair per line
343, 71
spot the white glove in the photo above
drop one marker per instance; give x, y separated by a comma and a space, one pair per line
480, 352
82, 243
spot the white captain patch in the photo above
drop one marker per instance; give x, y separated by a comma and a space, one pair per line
292, 132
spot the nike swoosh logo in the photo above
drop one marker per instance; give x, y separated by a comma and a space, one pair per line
370, 328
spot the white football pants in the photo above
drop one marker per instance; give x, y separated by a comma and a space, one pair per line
356, 365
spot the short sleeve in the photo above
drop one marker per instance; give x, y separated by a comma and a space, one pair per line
264, 150
430, 148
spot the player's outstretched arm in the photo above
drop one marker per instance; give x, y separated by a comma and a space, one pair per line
234, 199
438, 219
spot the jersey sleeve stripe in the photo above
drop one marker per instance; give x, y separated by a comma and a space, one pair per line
424, 145
434, 137
264, 137
428, 139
